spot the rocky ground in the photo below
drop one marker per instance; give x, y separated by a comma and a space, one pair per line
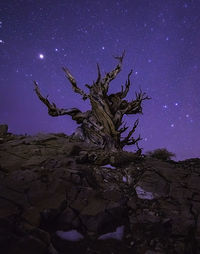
59, 196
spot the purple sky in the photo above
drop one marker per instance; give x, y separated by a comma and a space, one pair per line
162, 43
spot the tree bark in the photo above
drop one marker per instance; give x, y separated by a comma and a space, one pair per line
102, 125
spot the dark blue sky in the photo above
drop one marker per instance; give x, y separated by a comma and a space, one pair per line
162, 43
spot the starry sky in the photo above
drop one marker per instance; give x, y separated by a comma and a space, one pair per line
162, 43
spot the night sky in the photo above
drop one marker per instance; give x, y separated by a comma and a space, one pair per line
162, 43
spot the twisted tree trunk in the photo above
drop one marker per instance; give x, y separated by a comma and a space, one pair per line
102, 125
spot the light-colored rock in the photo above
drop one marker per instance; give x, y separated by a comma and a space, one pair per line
142, 194
72, 235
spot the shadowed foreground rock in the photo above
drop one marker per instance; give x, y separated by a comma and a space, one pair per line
61, 196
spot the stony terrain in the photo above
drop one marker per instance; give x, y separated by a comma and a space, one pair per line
58, 195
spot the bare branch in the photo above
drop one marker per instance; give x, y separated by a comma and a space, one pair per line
133, 141
53, 110
88, 86
123, 129
127, 86
127, 140
133, 129
139, 151
134, 107
74, 85
120, 58
112, 74
99, 74
142, 96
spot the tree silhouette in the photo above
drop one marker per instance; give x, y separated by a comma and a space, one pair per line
103, 124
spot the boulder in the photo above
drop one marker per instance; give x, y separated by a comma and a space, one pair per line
59, 195
3, 130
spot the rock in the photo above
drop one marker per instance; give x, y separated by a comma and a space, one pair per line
29, 244
54, 189
94, 207
112, 195
7, 208
132, 203
3, 130
118, 234
72, 235
42, 235
151, 185
68, 219
143, 194
32, 215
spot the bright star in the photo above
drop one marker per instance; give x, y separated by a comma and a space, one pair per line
165, 106
176, 104
41, 56
103, 47
172, 125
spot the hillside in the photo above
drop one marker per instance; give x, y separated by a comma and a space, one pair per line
58, 195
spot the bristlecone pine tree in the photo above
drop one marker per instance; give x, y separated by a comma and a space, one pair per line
102, 125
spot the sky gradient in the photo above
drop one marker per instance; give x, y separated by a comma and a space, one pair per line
162, 44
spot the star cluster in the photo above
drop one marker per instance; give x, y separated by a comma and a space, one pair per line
161, 39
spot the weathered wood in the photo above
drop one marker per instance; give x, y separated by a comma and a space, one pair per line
103, 124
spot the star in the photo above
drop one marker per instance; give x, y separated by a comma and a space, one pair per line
172, 125
41, 56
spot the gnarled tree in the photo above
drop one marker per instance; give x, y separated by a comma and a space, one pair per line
103, 124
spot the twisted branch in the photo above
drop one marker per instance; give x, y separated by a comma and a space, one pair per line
102, 125
112, 74
76, 114
128, 140
127, 86
74, 85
